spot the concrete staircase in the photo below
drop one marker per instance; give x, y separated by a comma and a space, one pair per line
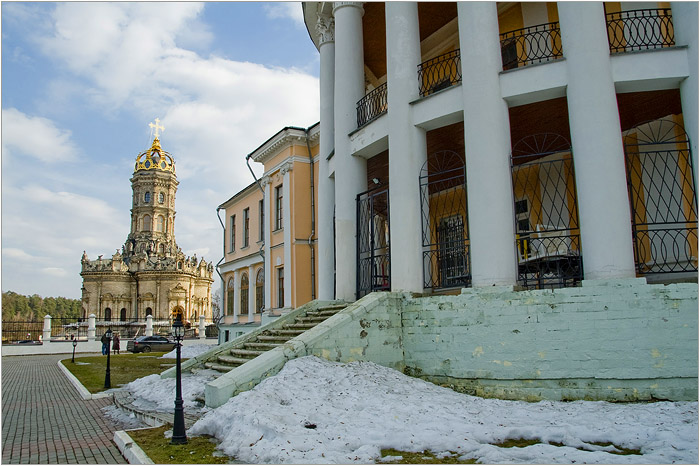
271, 338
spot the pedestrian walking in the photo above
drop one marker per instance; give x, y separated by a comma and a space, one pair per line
105, 343
115, 344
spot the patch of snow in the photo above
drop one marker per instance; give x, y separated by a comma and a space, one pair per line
155, 394
123, 419
359, 408
187, 352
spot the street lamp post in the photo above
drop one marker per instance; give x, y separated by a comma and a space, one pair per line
179, 435
108, 334
75, 343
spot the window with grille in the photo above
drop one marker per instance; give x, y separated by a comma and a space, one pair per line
246, 227
278, 207
244, 294
280, 287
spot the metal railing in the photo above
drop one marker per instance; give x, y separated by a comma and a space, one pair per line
530, 45
372, 105
440, 73
373, 250
646, 29
21, 331
68, 328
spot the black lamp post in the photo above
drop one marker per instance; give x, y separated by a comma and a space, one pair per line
75, 343
108, 334
179, 435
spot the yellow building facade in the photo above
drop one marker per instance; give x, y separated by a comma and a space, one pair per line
270, 253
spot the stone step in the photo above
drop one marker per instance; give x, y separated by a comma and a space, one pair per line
325, 314
246, 353
289, 332
312, 319
332, 307
218, 367
270, 338
224, 359
256, 345
301, 326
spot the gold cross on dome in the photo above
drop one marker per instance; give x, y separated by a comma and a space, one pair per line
157, 126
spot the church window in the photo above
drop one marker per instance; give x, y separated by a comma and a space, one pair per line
229, 297
161, 249
244, 294
259, 290
149, 311
261, 209
108, 314
147, 197
278, 207
146, 223
232, 223
161, 223
122, 314
161, 198
246, 227
280, 287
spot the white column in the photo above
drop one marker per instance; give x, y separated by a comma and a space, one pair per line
685, 27
352, 171
326, 186
407, 146
251, 294
487, 148
288, 238
91, 327
46, 334
236, 295
601, 183
269, 212
149, 325
202, 328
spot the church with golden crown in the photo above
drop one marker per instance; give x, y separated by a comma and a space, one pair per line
150, 275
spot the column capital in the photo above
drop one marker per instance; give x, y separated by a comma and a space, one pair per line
325, 28
338, 5
264, 181
287, 167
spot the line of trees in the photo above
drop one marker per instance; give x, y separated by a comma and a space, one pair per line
17, 307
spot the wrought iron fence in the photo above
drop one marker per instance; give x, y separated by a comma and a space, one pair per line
662, 198
546, 213
440, 73
645, 29
530, 45
444, 222
68, 328
22, 331
373, 253
372, 105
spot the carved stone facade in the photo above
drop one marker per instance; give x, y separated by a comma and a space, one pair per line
150, 275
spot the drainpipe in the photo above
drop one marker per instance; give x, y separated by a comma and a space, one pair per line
313, 217
223, 285
261, 251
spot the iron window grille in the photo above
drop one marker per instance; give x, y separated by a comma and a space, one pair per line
547, 238
372, 105
244, 294
645, 29
444, 223
373, 251
663, 200
530, 45
440, 73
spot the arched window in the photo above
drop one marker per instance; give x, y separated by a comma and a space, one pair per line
122, 314
146, 222
229, 297
147, 197
259, 290
161, 198
149, 311
160, 223
108, 314
244, 293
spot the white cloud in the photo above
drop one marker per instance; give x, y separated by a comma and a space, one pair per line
290, 10
35, 137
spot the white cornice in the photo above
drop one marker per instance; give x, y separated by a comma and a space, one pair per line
282, 140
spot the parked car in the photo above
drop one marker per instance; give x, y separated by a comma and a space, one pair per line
147, 344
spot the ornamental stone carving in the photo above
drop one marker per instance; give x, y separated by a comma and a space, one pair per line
325, 28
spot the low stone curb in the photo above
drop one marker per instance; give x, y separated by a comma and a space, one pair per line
130, 449
84, 393
124, 399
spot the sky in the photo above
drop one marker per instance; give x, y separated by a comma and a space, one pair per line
81, 82
320, 412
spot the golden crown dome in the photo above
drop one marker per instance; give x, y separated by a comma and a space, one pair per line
155, 158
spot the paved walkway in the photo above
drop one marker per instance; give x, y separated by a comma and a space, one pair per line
44, 419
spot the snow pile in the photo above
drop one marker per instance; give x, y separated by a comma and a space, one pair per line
155, 394
121, 418
187, 352
315, 411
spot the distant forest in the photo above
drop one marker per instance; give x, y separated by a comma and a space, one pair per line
17, 307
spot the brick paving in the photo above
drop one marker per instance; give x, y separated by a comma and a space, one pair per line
44, 419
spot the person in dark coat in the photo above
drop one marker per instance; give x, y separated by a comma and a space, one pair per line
115, 343
105, 343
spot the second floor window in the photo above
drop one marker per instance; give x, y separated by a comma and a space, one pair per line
147, 197
261, 209
246, 227
233, 233
278, 207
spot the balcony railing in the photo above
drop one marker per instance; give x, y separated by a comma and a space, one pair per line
530, 45
440, 73
372, 105
640, 30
